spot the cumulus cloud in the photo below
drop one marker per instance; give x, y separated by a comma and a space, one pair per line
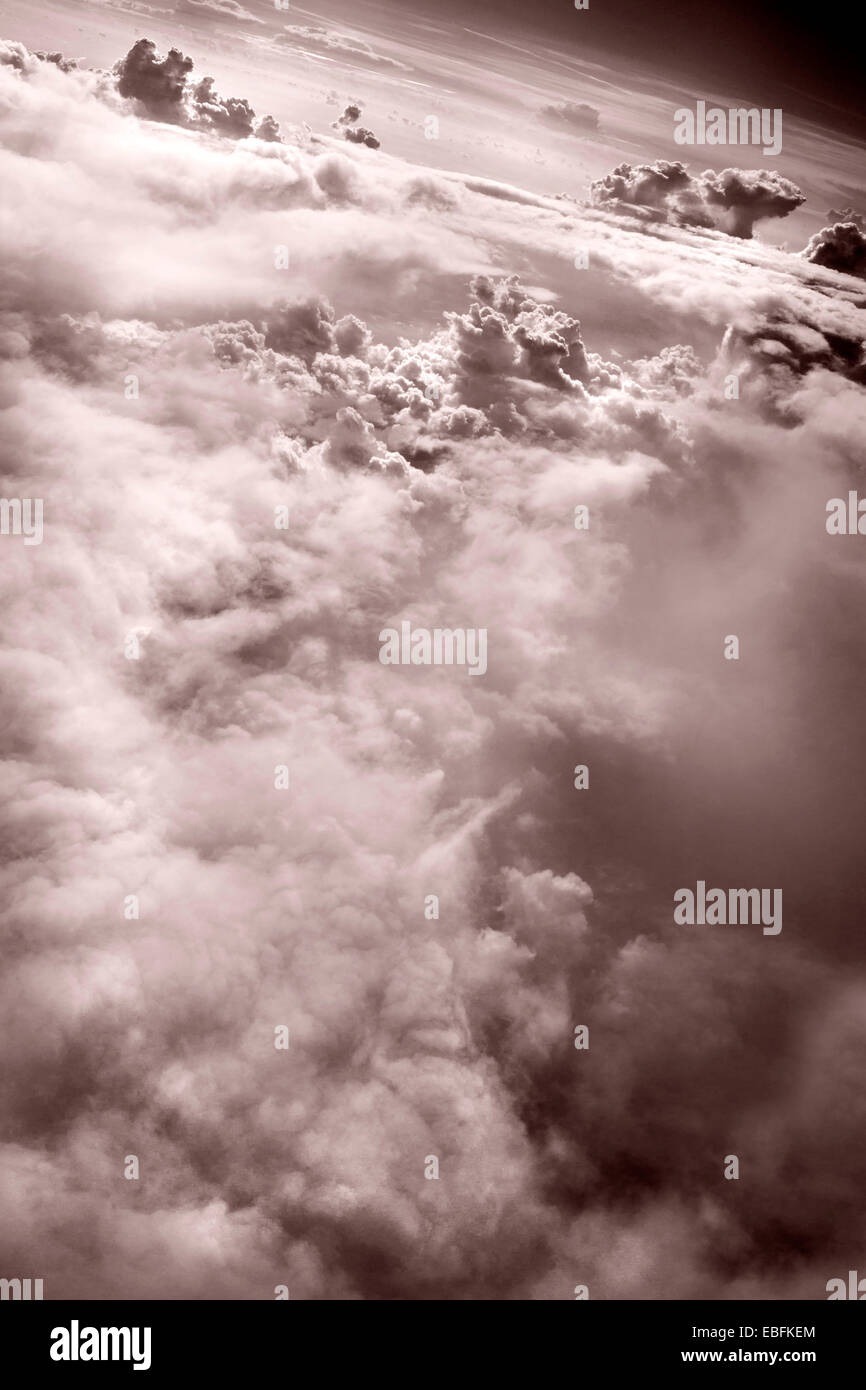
64, 64
349, 115
268, 129
233, 117
506, 333
847, 215
161, 87
346, 122
839, 247
732, 199
359, 135
576, 116
750, 196
428, 471
158, 83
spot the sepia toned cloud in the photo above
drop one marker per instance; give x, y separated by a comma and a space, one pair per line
733, 199
576, 116
223, 815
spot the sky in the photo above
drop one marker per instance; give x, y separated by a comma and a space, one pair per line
224, 816
486, 81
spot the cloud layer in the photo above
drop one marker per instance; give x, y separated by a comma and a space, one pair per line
171, 389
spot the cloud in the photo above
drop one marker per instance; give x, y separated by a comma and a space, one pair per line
575, 116
507, 334
360, 136
222, 9
161, 86
732, 199
848, 215
839, 247
328, 41
349, 116
233, 117
357, 134
750, 196
268, 129
64, 64
429, 468
137, 7
158, 83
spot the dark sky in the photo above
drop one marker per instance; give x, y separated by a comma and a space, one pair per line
807, 61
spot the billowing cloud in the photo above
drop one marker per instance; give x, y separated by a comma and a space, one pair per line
359, 135
839, 247
349, 115
159, 84
347, 123
161, 87
748, 196
233, 117
732, 199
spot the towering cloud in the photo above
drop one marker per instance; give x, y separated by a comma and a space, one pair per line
839, 247
160, 86
733, 199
